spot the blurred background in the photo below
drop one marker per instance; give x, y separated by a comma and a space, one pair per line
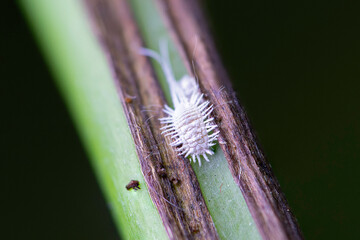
296, 68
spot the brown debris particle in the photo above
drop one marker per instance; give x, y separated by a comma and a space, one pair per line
194, 226
128, 100
175, 180
161, 171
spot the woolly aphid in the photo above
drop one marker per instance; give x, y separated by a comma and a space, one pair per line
189, 124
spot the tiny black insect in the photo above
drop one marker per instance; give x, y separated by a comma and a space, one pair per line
133, 184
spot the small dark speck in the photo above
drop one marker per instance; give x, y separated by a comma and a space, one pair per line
161, 172
175, 181
128, 100
194, 226
133, 184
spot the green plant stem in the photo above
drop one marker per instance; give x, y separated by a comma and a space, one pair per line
85, 79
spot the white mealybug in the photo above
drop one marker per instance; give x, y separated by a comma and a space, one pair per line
189, 123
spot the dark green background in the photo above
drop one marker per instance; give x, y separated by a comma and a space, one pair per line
296, 68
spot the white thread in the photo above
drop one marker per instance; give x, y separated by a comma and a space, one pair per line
189, 124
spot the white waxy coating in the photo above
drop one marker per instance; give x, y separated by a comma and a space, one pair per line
188, 123
189, 86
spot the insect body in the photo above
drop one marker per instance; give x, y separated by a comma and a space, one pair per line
133, 184
189, 124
